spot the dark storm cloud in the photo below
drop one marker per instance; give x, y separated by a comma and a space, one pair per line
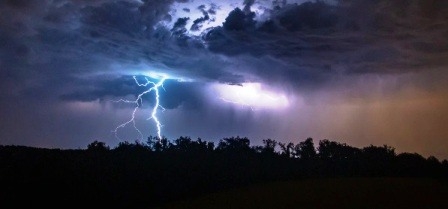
239, 20
212, 9
197, 24
179, 26
102, 87
247, 5
303, 44
307, 16
53, 43
352, 37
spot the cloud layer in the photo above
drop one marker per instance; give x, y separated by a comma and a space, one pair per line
57, 54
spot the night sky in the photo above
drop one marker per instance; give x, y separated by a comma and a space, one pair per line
356, 71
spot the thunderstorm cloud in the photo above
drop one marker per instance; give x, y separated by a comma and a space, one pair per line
360, 71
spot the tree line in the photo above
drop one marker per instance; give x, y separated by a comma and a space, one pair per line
159, 171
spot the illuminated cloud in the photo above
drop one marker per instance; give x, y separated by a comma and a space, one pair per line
250, 95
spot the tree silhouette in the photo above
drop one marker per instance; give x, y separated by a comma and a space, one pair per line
305, 150
97, 146
331, 150
186, 144
234, 144
158, 145
287, 149
269, 146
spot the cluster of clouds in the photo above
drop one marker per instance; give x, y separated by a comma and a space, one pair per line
88, 50
303, 44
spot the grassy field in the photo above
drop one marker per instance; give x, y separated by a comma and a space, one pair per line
359, 193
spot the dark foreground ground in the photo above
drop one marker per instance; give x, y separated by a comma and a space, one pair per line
359, 193
161, 173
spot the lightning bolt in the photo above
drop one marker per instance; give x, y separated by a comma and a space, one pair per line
138, 104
